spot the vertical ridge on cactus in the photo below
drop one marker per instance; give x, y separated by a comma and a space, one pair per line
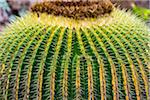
44, 55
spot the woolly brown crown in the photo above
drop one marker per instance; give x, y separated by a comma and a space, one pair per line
74, 9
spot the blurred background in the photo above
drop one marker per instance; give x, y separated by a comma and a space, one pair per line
11, 8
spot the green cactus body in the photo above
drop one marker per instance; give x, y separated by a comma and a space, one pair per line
54, 57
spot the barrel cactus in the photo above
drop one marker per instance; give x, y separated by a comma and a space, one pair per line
75, 50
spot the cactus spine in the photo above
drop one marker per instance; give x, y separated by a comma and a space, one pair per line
45, 56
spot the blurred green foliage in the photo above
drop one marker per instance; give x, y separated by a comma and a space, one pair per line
142, 12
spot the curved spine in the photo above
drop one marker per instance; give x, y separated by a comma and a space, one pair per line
101, 67
89, 67
65, 66
78, 82
134, 73
10, 64
123, 67
141, 67
30, 67
53, 65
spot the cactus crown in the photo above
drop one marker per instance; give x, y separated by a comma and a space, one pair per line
61, 58
74, 9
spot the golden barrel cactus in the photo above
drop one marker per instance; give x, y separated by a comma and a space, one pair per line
83, 50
